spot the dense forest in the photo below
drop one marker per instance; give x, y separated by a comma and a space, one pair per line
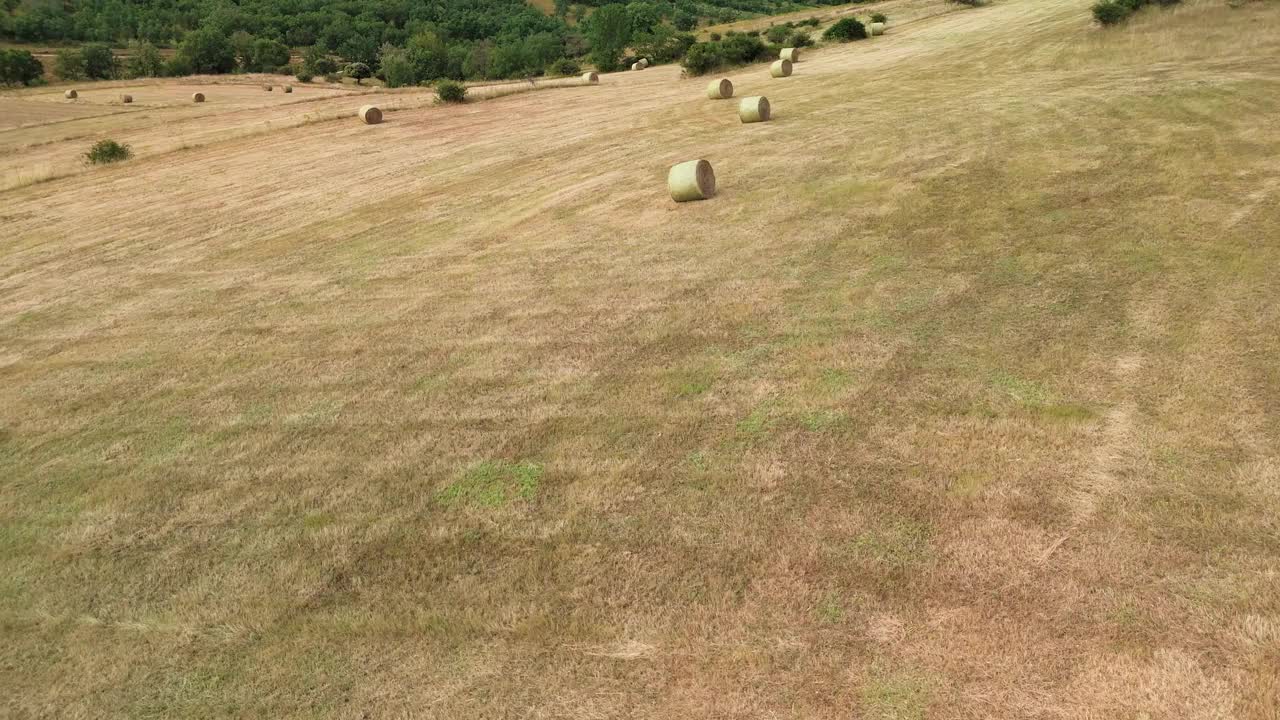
403, 41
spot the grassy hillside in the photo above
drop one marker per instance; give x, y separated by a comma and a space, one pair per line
959, 400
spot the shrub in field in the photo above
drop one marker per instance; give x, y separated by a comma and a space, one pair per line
879, 17
19, 67
145, 61
99, 62
332, 78
564, 66
811, 22
68, 64
304, 76
801, 39
107, 151
846, 29
715, 37
178, 66
451, 92
734, 49
778, 34
1110, 12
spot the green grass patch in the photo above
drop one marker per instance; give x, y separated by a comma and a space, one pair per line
895, 696
822, 420
758, 423
900, 545
492, 483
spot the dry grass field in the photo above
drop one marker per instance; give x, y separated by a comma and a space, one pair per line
960, 400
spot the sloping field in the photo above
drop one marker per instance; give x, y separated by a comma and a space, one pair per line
960, 400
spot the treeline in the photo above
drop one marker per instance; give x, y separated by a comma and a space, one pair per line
404, 42
330, 23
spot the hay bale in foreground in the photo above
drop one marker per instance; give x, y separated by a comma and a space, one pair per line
780, 68
637, 66
197, 97
590, 78
371, 115
126, 98
644, 62
792, 54
287, 88
720, 89
753, 109
71, 94
692, 180
875, 29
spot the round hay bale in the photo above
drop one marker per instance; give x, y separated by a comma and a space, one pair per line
792, 54
875, 29
71, 94
692, 180
590, 78
720, 89
197, 97
644, 62
371, 115
637, 66
780, 68
287, 88
126, 98
754, 109
267, 88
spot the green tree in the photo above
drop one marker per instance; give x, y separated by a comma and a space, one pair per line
476, 66
99, 62
359, 49
429, 55
609, 33
145, 61
269, 55
68, 64
357, 70
397, 68
242, 48
19, 67
207, 51
316, 61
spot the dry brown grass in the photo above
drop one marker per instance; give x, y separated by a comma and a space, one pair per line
959, 400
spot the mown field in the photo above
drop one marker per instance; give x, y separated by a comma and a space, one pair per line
960, 400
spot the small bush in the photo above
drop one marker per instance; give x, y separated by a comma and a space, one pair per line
332, 78
811, 22
179, 66
801, 39
778, 34
846, 29
564, 66
451, 92
715, 37
970, 3
736, 49
879, 17
107, 151
753, 33
1109, 12
304, 76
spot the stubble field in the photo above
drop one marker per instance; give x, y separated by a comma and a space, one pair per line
960, 400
